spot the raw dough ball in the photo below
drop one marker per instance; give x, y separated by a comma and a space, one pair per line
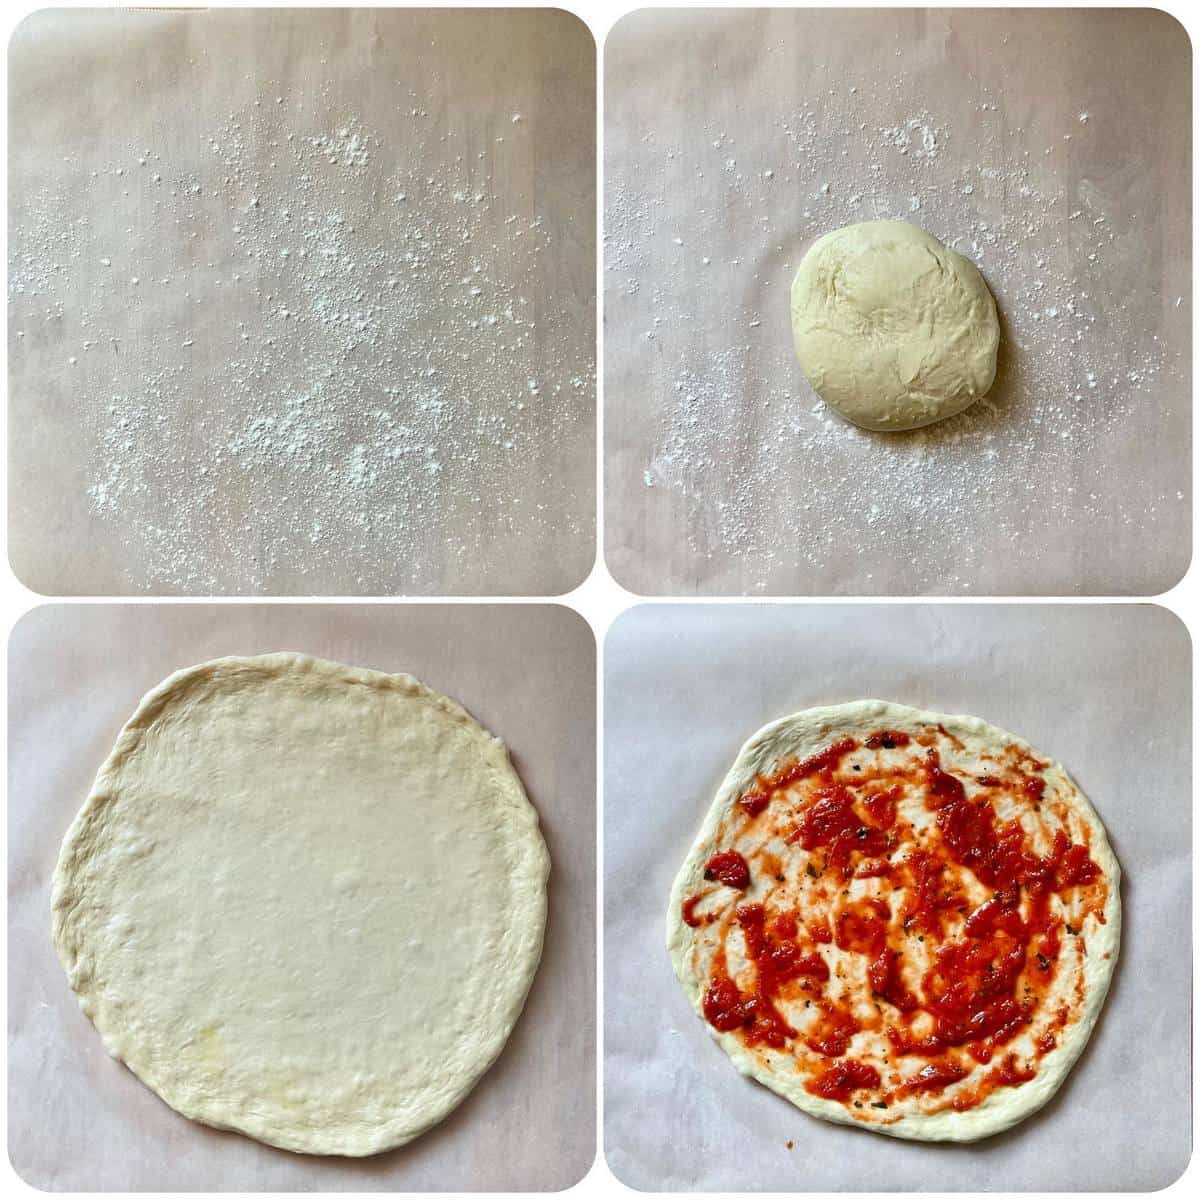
893, 330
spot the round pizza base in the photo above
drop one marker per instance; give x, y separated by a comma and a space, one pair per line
303, 901
806, 733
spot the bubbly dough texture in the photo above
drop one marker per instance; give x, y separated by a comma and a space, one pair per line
303, 901
972, 748
893, 330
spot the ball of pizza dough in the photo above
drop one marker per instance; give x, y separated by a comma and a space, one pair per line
893, 330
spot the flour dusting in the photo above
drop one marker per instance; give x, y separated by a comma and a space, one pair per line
312, 349
744, 465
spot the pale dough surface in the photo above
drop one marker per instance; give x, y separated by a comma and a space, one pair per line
893, 330
807, 732
304, 901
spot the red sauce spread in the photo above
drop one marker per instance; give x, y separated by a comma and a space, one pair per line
935, 1077
1075, 866
882, 806
886, 739
1002, 913
820, 932
953, 976
778, 960
723, 1005
759, 796
887, 983
754, 802
1010, 1073
843, 1079
729, 868
945, 787
688, 911
831, 822
785, 925
830, 1033
862, 927
930, 895
970, 990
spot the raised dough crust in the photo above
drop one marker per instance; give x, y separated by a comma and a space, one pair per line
304, 901
807, 732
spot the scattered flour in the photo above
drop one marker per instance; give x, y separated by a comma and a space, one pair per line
303, 353
768, 489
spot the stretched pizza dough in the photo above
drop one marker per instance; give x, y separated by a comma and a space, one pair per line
893, 330
303, 901
1090, 958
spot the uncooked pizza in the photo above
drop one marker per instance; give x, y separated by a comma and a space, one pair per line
304, 901
899, 920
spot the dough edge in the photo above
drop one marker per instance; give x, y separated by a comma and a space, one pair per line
350, 1142
806, 732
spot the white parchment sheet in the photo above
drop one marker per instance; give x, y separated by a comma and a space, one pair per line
80, 1121
1105, 689
1051, 147
302, 301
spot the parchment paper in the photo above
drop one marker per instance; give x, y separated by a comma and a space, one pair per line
78, 1120
302, 301
1104, 689
1052, 147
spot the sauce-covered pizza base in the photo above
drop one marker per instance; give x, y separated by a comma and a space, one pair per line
899, 920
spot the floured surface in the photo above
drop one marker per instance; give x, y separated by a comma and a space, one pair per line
1121, 721
304, 901
80, 1120
319, 318
1064, 180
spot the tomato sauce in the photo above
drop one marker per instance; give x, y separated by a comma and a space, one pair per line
688, 912
935, 1077
729, 868
952, 978
843, 1079
759, 796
